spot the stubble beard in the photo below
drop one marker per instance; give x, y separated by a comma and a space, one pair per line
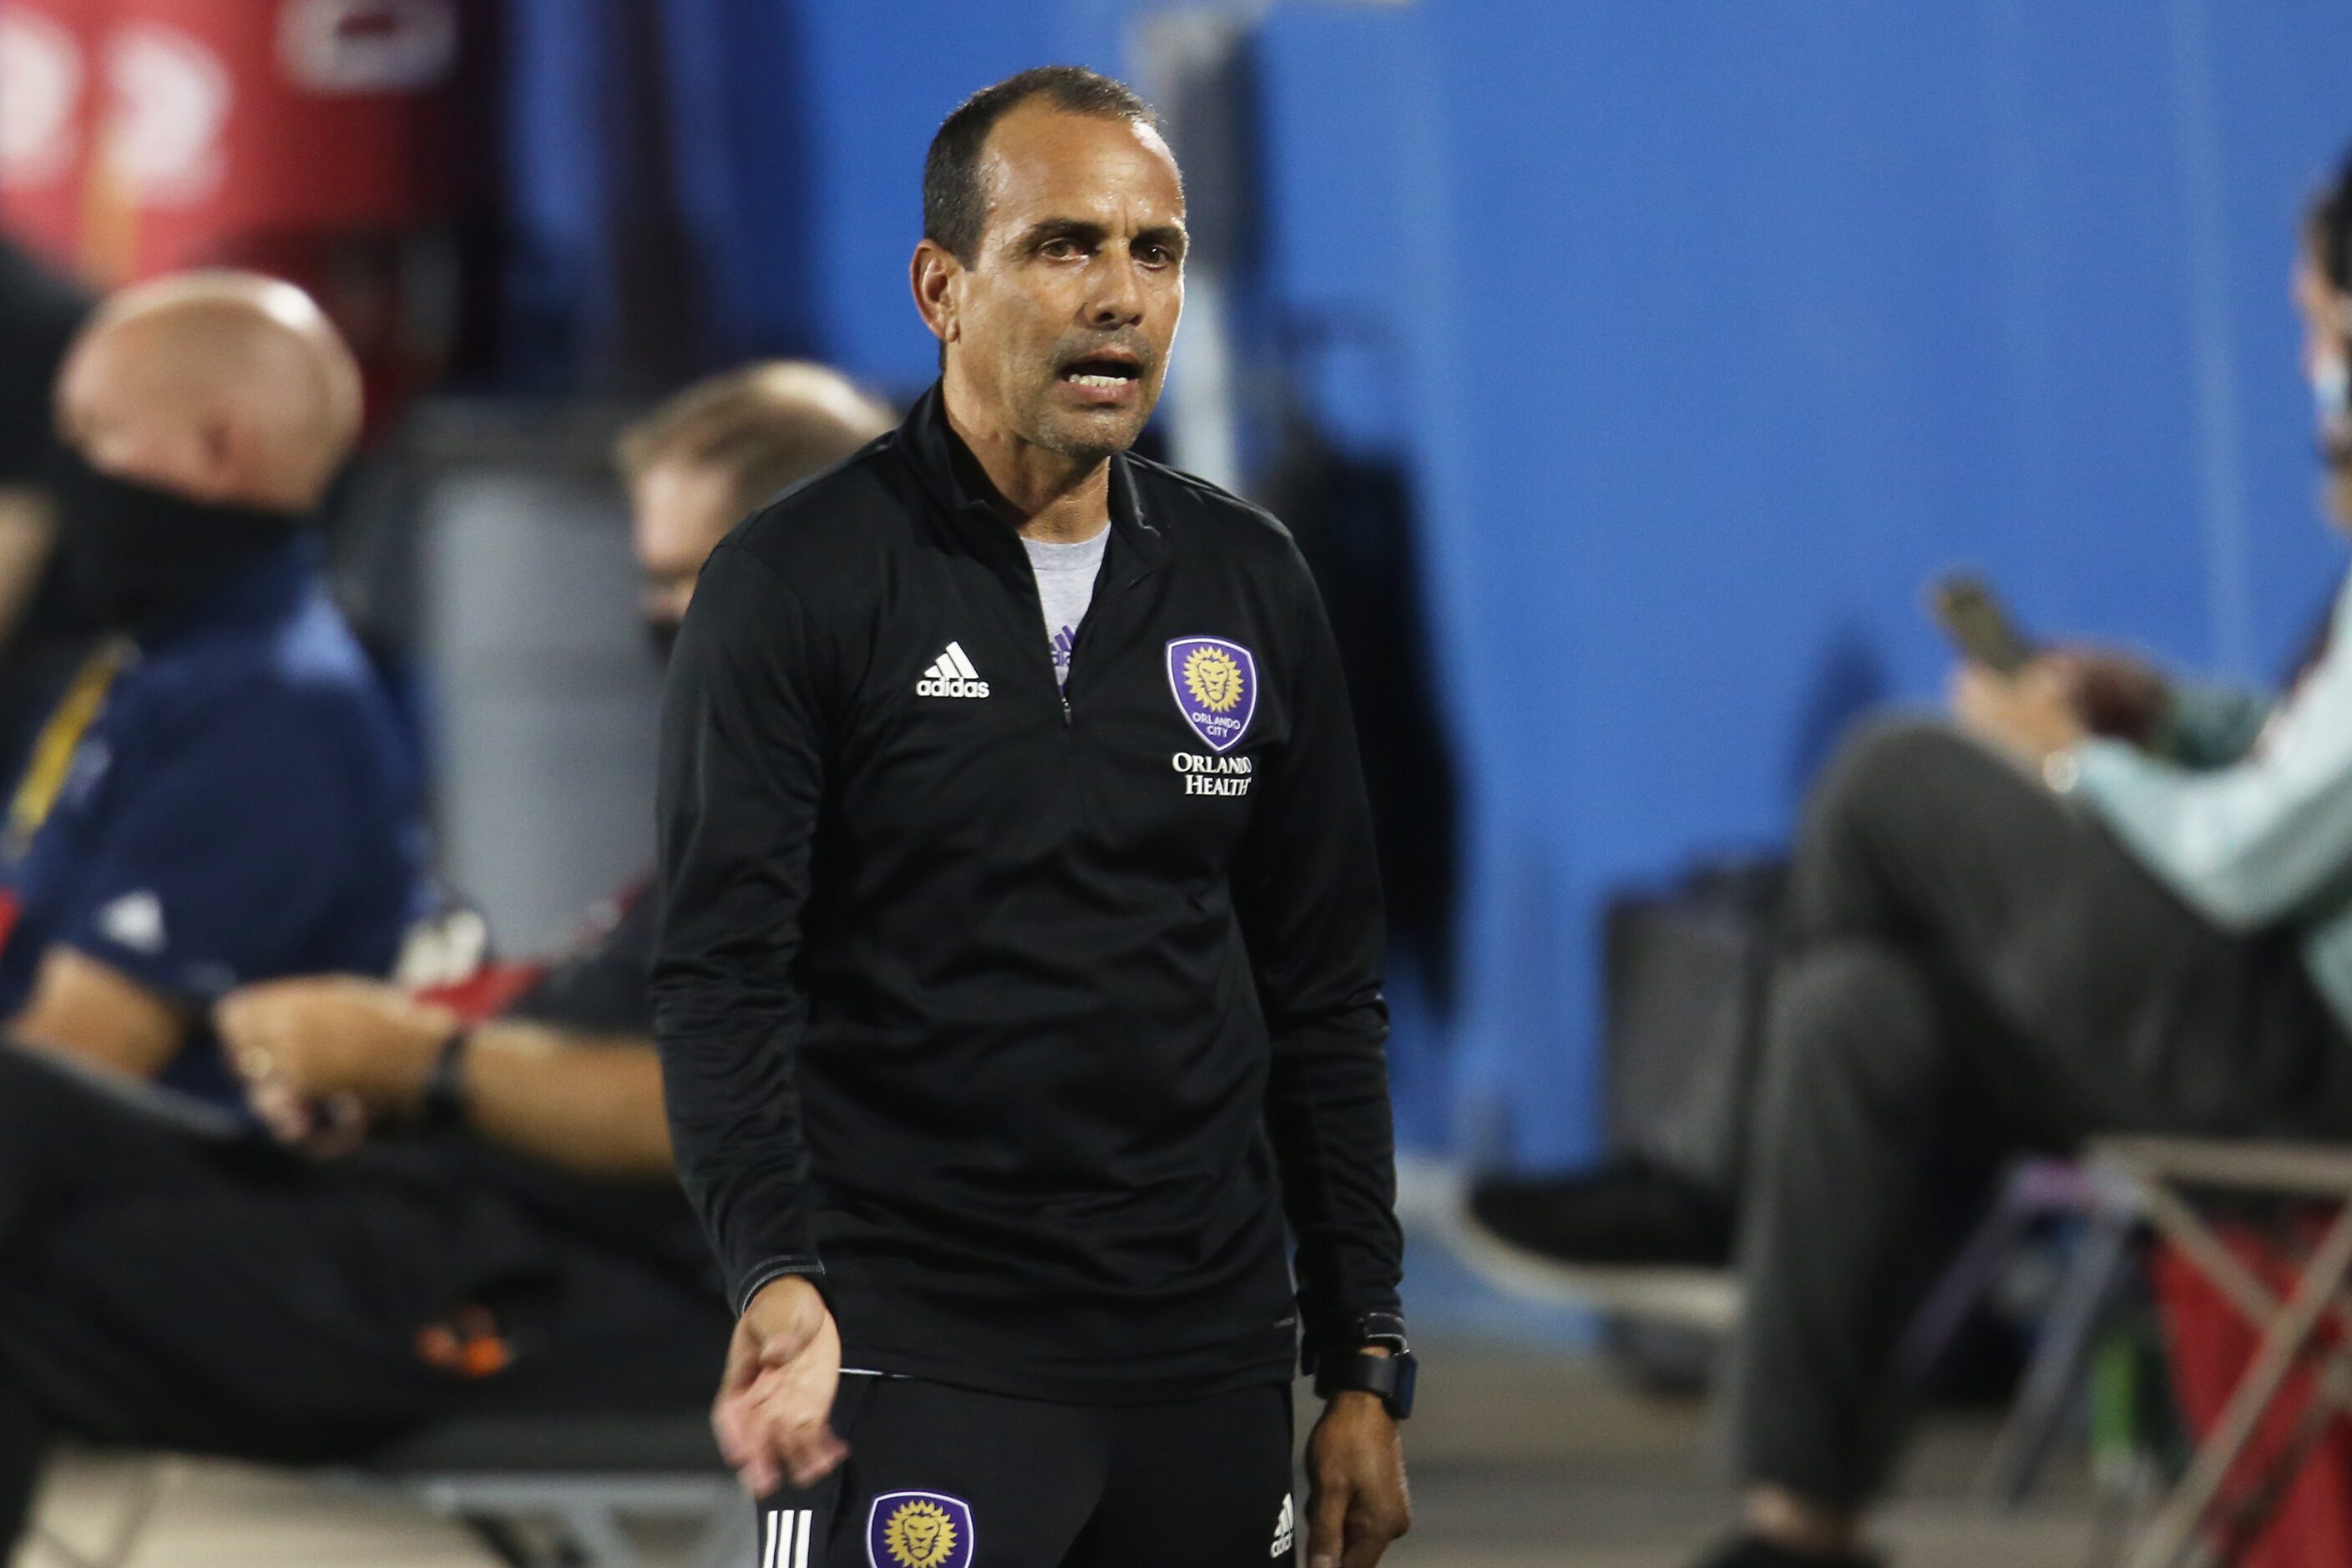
1083, 439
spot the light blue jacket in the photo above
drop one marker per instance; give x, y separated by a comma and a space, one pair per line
2244, 808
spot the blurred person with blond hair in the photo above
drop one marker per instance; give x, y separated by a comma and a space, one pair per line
718, 451
222, 794
502, 1230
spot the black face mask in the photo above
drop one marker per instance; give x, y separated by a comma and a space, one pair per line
661, 637
137, 558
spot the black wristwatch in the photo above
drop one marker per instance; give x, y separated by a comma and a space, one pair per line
443, 1107
1389, 1376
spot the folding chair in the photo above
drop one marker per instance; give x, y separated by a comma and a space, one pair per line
141, 1495
2080, 1309
537, 1491
540, 1492
2159, 1171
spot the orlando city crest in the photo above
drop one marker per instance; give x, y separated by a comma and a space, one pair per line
918, 1529
1215, 683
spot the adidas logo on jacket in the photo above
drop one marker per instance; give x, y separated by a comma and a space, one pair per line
952, 675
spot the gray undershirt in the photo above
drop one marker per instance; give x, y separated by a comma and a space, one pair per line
1066, 587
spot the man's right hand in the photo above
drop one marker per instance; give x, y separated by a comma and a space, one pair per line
2114, 694
773, 1412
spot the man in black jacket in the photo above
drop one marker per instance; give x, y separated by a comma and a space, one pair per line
1021, 959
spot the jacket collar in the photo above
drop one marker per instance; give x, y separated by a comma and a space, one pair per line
262, 592
953, 479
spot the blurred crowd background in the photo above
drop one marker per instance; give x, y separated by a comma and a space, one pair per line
1627, 368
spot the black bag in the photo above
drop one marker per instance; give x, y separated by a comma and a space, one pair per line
1684, 980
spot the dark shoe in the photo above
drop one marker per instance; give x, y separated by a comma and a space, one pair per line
1755, 1552
1627, 1213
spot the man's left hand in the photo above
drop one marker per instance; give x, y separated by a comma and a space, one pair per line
330, 1040
1356, 1501
2030, 715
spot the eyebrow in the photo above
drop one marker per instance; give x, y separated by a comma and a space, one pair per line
1084, 231
1048, 230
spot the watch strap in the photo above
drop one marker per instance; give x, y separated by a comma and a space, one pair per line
1389, 1378
1382, 1329
443, 1109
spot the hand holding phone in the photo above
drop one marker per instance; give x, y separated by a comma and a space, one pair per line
1964, 605
2113, 693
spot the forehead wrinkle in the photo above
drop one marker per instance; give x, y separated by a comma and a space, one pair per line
1087, 178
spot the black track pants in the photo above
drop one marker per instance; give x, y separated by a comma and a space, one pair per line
164, 1287
945, 1477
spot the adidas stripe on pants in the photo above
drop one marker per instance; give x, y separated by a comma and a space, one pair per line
787, 1538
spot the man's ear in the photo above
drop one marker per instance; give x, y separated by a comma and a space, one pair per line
934, 274
225, 452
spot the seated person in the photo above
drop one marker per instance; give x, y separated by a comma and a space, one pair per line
39, 314
2016, 933
175, 1278
222, 794
41, 640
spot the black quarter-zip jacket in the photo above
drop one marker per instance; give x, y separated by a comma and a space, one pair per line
1018, 1016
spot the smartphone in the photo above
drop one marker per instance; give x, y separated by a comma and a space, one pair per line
1965, 607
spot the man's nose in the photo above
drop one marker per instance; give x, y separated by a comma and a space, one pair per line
1116, 298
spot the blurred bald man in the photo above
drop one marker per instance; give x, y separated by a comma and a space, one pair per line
223, 794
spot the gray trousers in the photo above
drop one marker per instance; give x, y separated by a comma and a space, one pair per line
1975, 970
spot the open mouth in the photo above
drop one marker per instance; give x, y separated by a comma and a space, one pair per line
1103, 372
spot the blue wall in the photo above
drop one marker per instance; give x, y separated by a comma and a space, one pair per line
883, 73
1711, 330
1749, 319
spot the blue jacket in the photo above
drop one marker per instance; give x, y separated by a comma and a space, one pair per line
235, 801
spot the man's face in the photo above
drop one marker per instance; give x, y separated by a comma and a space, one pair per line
681, 511
1062, 321
2326, 322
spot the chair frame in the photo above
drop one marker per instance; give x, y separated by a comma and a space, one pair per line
2156, 1171
528, 1518
585, 1512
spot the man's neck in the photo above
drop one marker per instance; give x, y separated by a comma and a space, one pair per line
1047, 495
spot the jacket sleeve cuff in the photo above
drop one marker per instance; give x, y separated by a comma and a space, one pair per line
769, 1272
2108, 775
1349, 1331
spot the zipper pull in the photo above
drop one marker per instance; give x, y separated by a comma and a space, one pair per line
1066, 709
